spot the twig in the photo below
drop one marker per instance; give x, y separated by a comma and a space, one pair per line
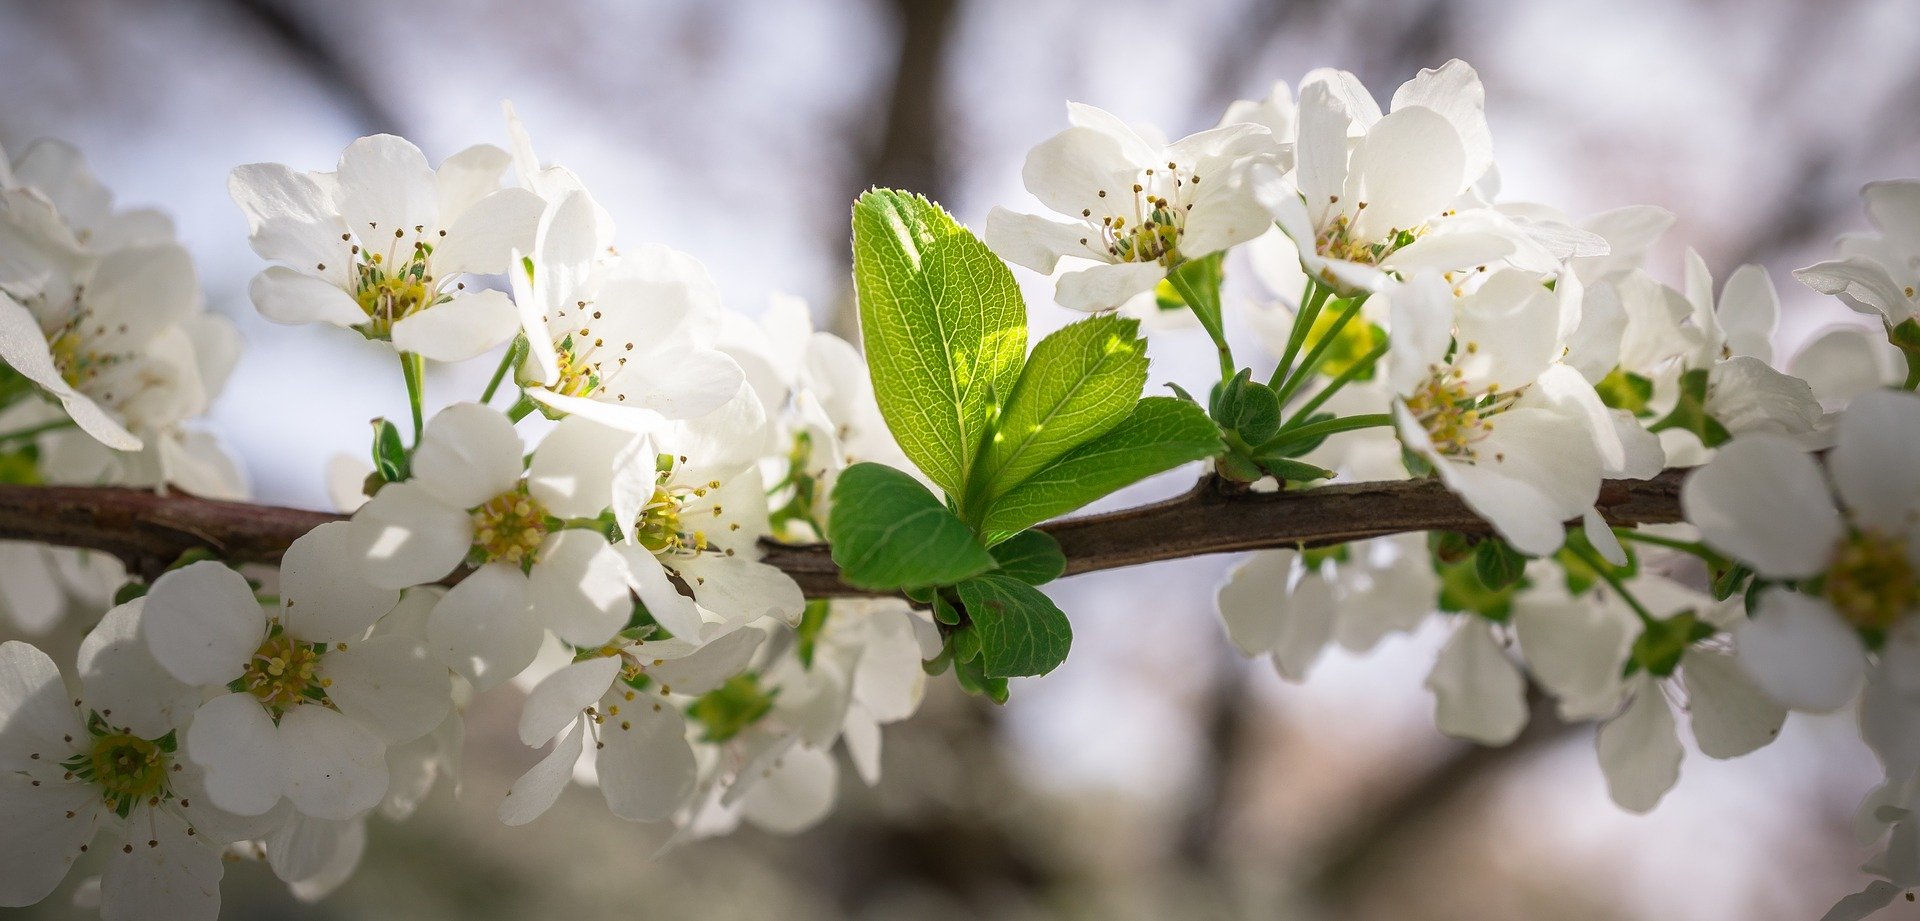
148, 531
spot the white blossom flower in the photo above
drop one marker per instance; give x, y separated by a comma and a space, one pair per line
381, 244
1763, 501
102, 336
1289, 604
468, 502
624, 697
304, 703
627, 340
1375, 196
54, 173
861, 671
105, 770
1878, 273
692, 505
1136, 204
1522, 439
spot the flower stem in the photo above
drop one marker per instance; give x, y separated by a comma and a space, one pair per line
1346, 377
515, 352
1684, 546
414, 369
1311, 300
1318, 353
1198, 284
1605, 571
522, 407
1331, 427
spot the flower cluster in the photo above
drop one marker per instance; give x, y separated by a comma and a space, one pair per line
590, 533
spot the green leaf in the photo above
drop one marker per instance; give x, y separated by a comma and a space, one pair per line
1079, 382
945, 612
1033, 557
1019, 629
889, 533
1293, 471
1160, 434
944, 326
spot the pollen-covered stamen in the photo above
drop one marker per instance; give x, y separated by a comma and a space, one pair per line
509, 528
394, 284
1455, 417
283, 673
1148, 229
664, 525
76, 345
1338, 241
1871, 581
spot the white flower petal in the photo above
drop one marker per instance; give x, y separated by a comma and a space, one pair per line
238, 745
290, 219
669, 608
323, 597
1478, 693
1640, 750
335, 767
391, 684
1305, 628
202, 623
556, 702
1890, 707
1873, 461
290, 296
46, 825
1035, 242
797, 793
1800, 652
740, 590
36, 715
1763, 501
579, 588
406, 536
468, 454
464, 327
1730, 716
1409, 167
170, 873
480, 240
119, 676
386, 186
536, 791
1574, 648
646, 767
707, 667
1104, 287
1252, 600
572, 471
484, 629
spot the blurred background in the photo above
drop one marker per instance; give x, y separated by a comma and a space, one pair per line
1156, 774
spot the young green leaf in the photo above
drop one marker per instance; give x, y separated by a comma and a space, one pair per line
889, 533
1019, 629
1033, 557
944, 326
1160, 434
1080, 382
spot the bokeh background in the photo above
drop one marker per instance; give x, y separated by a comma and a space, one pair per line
1156, 774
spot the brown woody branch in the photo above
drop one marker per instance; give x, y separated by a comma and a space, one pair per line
149, 531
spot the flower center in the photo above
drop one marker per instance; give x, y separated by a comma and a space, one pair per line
509, 528
75, 348
1453, 416
1338, 241
282, 673
1151, 233
394, 285
126, 768
1871, 582
660, 529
